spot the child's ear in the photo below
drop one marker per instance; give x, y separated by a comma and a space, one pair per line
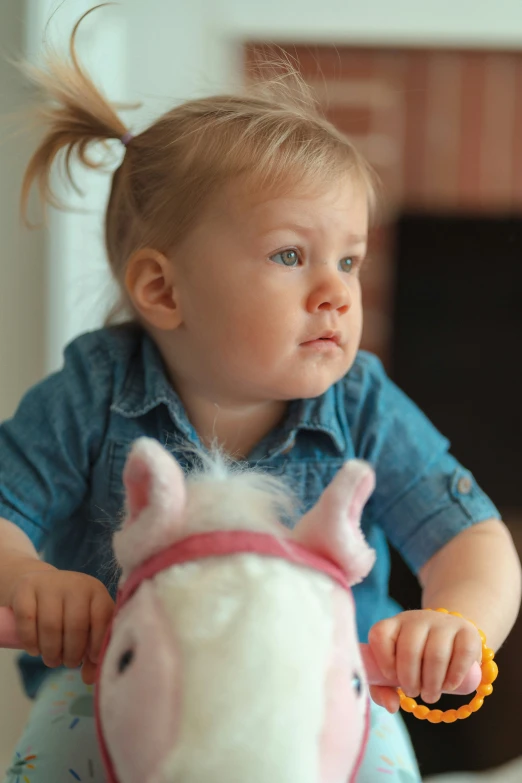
151, 286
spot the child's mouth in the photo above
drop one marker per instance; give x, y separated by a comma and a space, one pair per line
326, 341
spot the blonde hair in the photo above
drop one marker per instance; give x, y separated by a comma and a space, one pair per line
272, 133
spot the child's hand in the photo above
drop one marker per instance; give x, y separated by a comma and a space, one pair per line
62, 616
426, 653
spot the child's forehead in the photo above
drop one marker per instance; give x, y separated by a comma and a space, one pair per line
298, 207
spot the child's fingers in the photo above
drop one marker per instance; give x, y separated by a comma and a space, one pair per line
89, 672
409, 655
436, 659
466, 650
382, 639
24, 608
50, 627
385, 697
101, 611
76, 630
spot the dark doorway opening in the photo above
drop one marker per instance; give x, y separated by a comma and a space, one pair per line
457, 344
457, 351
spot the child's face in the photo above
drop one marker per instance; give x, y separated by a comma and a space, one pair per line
270, 294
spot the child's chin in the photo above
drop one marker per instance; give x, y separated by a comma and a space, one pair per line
313, 387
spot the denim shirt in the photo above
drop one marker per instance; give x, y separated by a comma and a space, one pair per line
62, 457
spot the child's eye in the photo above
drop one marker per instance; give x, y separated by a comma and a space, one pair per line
286, 258
346, 264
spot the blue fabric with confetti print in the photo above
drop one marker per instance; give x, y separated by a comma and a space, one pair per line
59, 743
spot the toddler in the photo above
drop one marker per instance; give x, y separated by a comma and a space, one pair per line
237, 230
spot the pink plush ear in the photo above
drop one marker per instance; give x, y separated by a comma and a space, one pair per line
332, 527
155, 496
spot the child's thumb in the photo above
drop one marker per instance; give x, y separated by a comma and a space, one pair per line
89, 670
385, 697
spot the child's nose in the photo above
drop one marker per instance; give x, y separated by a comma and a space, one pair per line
330, 294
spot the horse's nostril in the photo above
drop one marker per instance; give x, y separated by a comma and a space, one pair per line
125, 660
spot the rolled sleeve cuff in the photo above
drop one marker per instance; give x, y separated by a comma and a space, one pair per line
464, 505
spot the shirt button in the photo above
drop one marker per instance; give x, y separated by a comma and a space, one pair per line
464, 485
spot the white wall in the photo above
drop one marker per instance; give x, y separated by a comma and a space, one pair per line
78, 286
489, 23
22, 317
22, 272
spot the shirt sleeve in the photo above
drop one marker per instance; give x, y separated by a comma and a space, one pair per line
423, 496
48, 447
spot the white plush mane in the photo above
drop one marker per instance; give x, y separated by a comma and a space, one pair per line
227, 496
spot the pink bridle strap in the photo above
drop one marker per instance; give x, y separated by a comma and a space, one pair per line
223, 543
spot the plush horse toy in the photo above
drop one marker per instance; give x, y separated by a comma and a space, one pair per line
233, 654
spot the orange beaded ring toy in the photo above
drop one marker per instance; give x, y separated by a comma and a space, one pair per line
489, 674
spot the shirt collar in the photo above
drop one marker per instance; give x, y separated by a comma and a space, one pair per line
316, 415
147, 386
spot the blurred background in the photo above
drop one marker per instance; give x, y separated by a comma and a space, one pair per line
432, 94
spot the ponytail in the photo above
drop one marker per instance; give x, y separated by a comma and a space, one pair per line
74, 115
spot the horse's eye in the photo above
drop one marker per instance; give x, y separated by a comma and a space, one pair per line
357, 683
125, 660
